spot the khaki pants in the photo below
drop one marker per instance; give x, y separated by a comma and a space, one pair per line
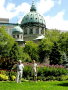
19, 76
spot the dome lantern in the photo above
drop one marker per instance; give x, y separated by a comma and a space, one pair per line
33, 8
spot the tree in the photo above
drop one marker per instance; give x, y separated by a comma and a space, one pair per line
63, 42
14, 55
55, 55
31, 48
64, 58
15, 52
53, 35
44, 49
6, 42
26, 57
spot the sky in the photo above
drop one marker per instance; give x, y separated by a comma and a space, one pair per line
55, 12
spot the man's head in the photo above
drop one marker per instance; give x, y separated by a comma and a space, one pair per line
34, 61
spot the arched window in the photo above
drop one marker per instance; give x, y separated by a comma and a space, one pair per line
21, 36
17, 36
37, 30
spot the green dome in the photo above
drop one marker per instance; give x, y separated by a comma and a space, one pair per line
17, 29
33, 17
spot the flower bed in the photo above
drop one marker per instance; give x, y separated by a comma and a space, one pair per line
44, 72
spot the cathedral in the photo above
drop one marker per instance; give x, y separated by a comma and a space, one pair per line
32, 27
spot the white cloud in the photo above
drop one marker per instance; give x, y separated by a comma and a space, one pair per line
59, 2
10, 7
44, 6
57, 22
12, 10
24, 7
6, 12
2, 2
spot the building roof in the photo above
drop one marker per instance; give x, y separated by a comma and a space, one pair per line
17, 29
4, 20
9, 24
40, 37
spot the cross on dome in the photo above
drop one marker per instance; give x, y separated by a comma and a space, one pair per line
33, 8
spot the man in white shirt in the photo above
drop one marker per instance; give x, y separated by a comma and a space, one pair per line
35, 70
20, 67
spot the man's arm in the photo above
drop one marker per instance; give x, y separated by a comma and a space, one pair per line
14, 67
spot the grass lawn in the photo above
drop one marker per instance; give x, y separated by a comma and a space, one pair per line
40, 85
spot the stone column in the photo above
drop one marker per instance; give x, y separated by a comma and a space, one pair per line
44, 31
27, 30
34, 30
40, 31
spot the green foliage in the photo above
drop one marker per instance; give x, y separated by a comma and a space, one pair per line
26, 57
14, 52
12, 75
44, 48
43, 73
55, 55
51, 71
3, 77
24, 80
31, 48
62, 78
50, 78
41, 78
45, 45
53, 35
6, 42
7, 75
63, 42
27, 72
3, 72
13, 78
53, 78
64, 59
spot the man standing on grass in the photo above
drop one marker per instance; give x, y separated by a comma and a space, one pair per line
20, 67
34, 70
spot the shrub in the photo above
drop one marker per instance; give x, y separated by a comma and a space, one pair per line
24, 80
51, 71
13, 77
50, 78
41, 71
62, 78
26, 57
41, 78
3, 77
27, 72
3, 72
